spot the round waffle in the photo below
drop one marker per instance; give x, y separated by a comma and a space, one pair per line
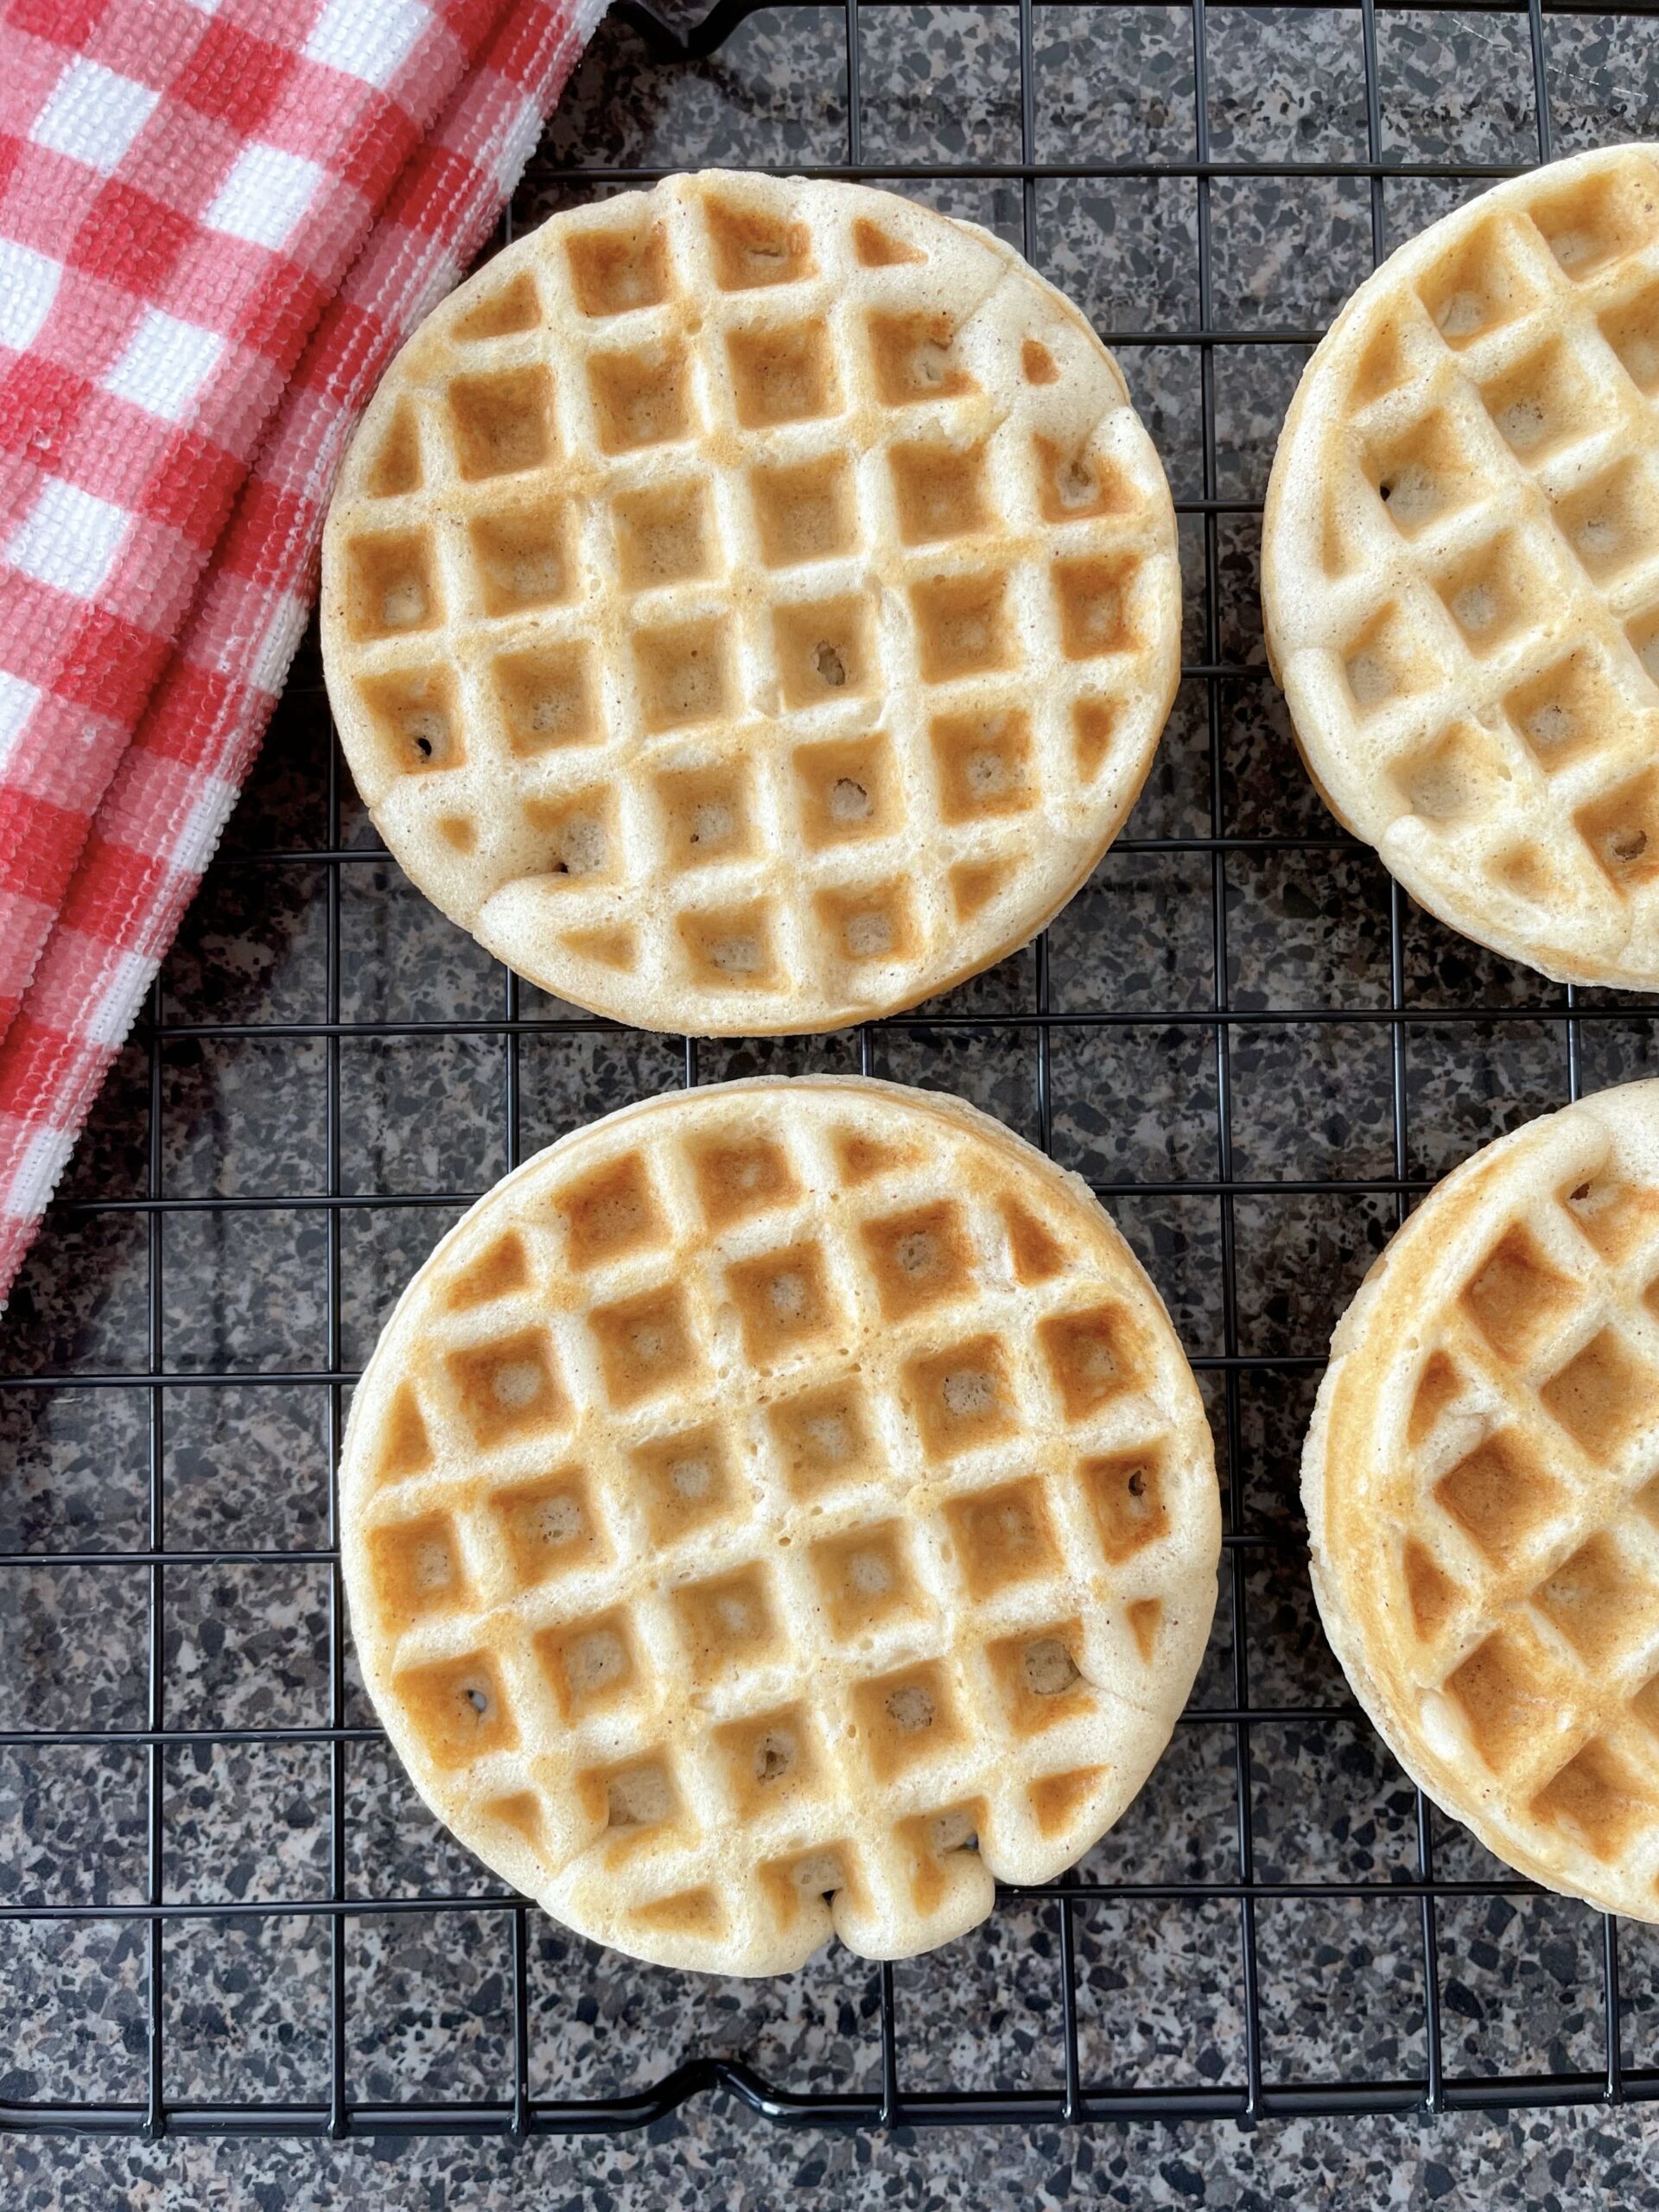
1482, 1487
1461, 568
777, 1507
751, 606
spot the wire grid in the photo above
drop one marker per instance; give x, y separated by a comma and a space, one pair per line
1256, 2092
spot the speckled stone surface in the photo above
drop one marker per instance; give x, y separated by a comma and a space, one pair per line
1568, 2161
242, 1105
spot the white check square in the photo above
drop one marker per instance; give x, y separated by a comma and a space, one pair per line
18, 702
69, 538
264, 195
93, 116
165, 365
29, 284
370, 42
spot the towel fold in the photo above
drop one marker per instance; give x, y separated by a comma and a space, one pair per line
215, 230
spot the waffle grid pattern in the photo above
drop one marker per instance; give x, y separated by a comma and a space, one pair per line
1515, 1518
1462, 582
921, 2046
822, 1403
688, 584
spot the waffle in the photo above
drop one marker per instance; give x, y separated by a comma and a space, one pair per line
751, 606
1482, 1486
780, 1507
1461, 568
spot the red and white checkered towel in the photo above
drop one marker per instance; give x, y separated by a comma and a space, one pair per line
219, 219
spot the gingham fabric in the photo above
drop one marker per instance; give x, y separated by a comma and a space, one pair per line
216, 224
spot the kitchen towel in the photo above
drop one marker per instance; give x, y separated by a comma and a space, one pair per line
217, 222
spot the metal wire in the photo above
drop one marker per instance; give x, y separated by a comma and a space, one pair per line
1259, 2090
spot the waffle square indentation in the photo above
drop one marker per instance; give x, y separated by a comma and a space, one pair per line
520, 559
825, 651
962, 626
919, 1259
509, 1387
914, 358
547, 698
726, 1622
391, 585
591, 1664
640, 398
983, 763
754, 247
739, 1176
418, 1569
1092, 1357
850, 791
684, 674
664, 535
686, 1483
1000, 1537
706, 813
612, 1210
416, 715
869, 922
785, 373
906, 1718
1595, 222
549, 1527
1603, 1603
938, 491
503, 424
962, 1397
783, 1300
804, 511
1516, 1295
1126, 1494
1500, 1494
458, 1709
1093, 598
616, 272
824, 1439
1605, 1396
645, 1346
866, 1578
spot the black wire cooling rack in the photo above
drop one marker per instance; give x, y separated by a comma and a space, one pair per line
1206, 1038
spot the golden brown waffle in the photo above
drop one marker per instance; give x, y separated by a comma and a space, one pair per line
751, 606
1482, 1486
1461, 568
777, 1507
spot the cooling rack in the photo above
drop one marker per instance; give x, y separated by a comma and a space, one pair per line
218, 1913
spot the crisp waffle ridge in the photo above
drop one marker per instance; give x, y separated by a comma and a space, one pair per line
779, 1506
1461, 567
752, 605
1482, 1486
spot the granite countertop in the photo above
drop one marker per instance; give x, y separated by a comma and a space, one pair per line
242, 1081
